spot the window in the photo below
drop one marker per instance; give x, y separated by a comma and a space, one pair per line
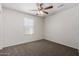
28, 26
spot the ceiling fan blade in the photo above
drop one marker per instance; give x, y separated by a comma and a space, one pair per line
45, 12
34, 10
41, 6
48, 7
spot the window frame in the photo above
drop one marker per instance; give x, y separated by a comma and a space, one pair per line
31, 24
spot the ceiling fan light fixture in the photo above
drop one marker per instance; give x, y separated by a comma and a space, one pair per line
40, 13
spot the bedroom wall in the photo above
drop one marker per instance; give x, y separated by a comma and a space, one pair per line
14, 28
63, 27
1, 28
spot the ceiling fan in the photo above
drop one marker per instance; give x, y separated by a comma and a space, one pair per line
41, 9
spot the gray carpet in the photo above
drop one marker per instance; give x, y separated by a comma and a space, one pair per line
39, 48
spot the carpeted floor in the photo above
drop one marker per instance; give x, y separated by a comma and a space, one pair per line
39, 48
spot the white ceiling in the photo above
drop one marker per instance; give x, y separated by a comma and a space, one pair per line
27, 7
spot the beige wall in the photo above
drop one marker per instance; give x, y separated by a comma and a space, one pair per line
63, 27
14, 28
1, 28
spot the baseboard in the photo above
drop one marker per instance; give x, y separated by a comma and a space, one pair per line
62, 44
20, 43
